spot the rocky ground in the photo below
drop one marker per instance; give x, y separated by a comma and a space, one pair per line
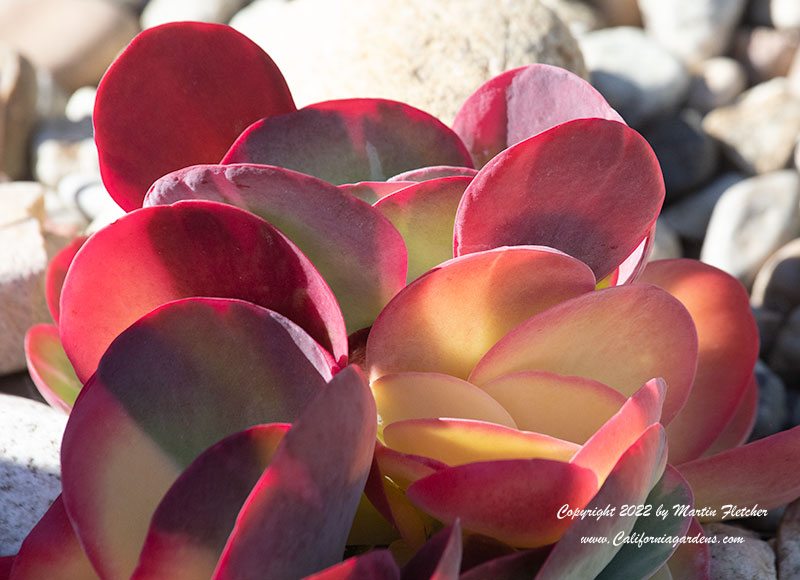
713, 86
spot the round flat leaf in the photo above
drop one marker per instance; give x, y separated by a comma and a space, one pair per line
50, 368
350, 140
358, 252
177, 381
739, 428
522, 102
591, 188
178, 95
192, 248
56, 272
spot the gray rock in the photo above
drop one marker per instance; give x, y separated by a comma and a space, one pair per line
432, 55
62, 147
751, 220
619, 12
784, 358
787, 547
773, 404
715, 82
75, 40
689, 216
579, 16
757, 13
777, 284
758, 132
693, 29
637, 76
753, 559
17, 111
87, 192
666, 243
160, 11
688, 157
765, 52
30, 478
769, 324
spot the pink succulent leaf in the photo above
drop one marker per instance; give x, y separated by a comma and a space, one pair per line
56, 272
372, 191
692, 560
621, 336
635, 562
629, 483
523, 102
49, 367
355, 248
424, 214
192, 523
51, 550
591, 188
630, 270
741, 425
297, 518
350, 140
514, 501
727, 350
374, 565
177, 381
192, 248
759, 475
179, 95
439, 558
446, 320
519, 565
433, 172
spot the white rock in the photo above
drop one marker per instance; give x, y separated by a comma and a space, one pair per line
87, 192
30, 473
752, 559
693, 29
751, 220
62, 147
785, 14
637, 76
716, 82
81, 104
20, 200
432, 55
161, 11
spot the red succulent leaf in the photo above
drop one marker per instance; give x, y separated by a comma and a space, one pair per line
56, 272
297, 518
372, 191
179, 95
439, 558
192, 248
522, 102
591, 188
355, 248
350, 140
177, 381
49, 367
374, 565
434, 172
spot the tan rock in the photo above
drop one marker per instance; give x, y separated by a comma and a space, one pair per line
619, 12
17, 111
766, 52
21, 200
787, 548
750, 559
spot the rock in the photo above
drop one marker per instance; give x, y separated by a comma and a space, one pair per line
579, 16
757, 13
777, 284
30, 474
80, 104
430, 55
785, 14
18, 88
688, 157
787, 547
690, 215
752, 559
693, 29
769, 324
637, 76
21, 385
715, 82
61, 147
75, 40
765, 52
794, 75
773, 406
619, 12
21, 200
784, 358
751, 220
87, 192
766, 525
759, 131
160, 11
666, 243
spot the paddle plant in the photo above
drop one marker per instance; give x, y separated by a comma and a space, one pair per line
328, 331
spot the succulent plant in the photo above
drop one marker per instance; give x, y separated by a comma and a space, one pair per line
529, 380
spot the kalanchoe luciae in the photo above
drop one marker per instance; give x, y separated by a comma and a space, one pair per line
557, 168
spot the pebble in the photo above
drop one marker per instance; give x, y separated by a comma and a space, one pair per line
160, 11
579, 16
80, 104
619, 12
777, 284
75, 40
430, 55
759, 131
794, 76
637, 76
787, 547
688, 157
30, 474
785, 14
773, 404
18, 88
769, 323
21, 200
690, 215
751, 220
784, 358
666, 244
766, 52
753, 559
62, 147
715, 82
